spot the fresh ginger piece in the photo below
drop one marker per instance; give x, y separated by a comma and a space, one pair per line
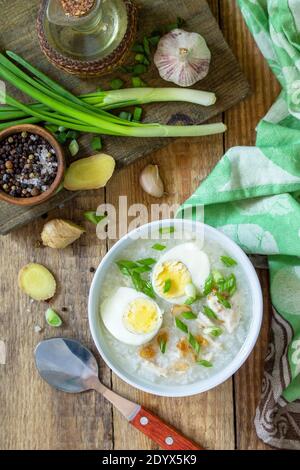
37, 282
89, 173
60, 233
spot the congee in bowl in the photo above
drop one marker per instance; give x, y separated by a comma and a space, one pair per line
174, 311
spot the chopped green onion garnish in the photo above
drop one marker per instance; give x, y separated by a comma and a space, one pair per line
214, 331
189, 316
190, 301
92, 216
139, 69
139, 58
52, 318
124, 263
163, 345
116, 84
137, 82
194, 343
204, 363
209, 313
167, 286
147, 261
125, 115
138, 48
229, 285
165, 230
209, 284
228, 261
137, 114
142, 269
159, 247
182, 326
217, 276
74, 148
96, 143
223, 301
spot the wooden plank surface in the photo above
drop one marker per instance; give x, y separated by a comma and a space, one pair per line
225, 79
219, 419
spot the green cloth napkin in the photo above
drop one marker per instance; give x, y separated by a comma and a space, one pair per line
253, 196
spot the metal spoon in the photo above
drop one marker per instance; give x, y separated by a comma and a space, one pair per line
67, 365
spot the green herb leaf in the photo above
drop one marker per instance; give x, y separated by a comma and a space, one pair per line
166, 230
182, 326
204, 363
167, 286
189, 315
142, 269
137, 114
209, 313
163, 345
223, 301
74, 148
147, 261
96, 143
62, 137
116, 84
194, 343
73, 135
92, 216
208, 286
52, 318
228, 261
159, 247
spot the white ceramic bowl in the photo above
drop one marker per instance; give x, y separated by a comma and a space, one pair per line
97, 328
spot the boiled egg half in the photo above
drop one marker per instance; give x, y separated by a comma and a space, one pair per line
131, 316
180, 272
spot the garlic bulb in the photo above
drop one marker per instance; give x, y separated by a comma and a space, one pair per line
182, 58
151, 182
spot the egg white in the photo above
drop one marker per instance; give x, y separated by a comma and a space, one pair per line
112, 312
195, 260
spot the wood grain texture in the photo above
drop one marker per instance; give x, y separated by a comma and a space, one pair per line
225, 79
35, 417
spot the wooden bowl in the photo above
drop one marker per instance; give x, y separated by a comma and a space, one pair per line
88, 68
35, 200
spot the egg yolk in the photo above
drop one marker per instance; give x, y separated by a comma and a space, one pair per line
171, 279
141, 316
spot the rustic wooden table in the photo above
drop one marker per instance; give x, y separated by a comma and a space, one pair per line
35, 417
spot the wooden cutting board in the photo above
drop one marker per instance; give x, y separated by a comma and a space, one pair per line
17, 33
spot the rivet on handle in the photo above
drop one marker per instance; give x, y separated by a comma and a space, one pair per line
169, 441
144, 421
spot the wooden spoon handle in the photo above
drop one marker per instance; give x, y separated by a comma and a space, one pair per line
164, 435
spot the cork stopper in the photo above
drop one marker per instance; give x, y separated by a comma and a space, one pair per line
77, 8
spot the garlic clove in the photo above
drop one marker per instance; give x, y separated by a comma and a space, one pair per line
151, 181
182, 57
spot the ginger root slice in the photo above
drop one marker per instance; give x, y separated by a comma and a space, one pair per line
37, 282
60, 233
89, 173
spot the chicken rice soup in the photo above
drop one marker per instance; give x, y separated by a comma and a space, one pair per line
175, 311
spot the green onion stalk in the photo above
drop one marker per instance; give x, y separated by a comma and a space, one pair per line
89, 113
